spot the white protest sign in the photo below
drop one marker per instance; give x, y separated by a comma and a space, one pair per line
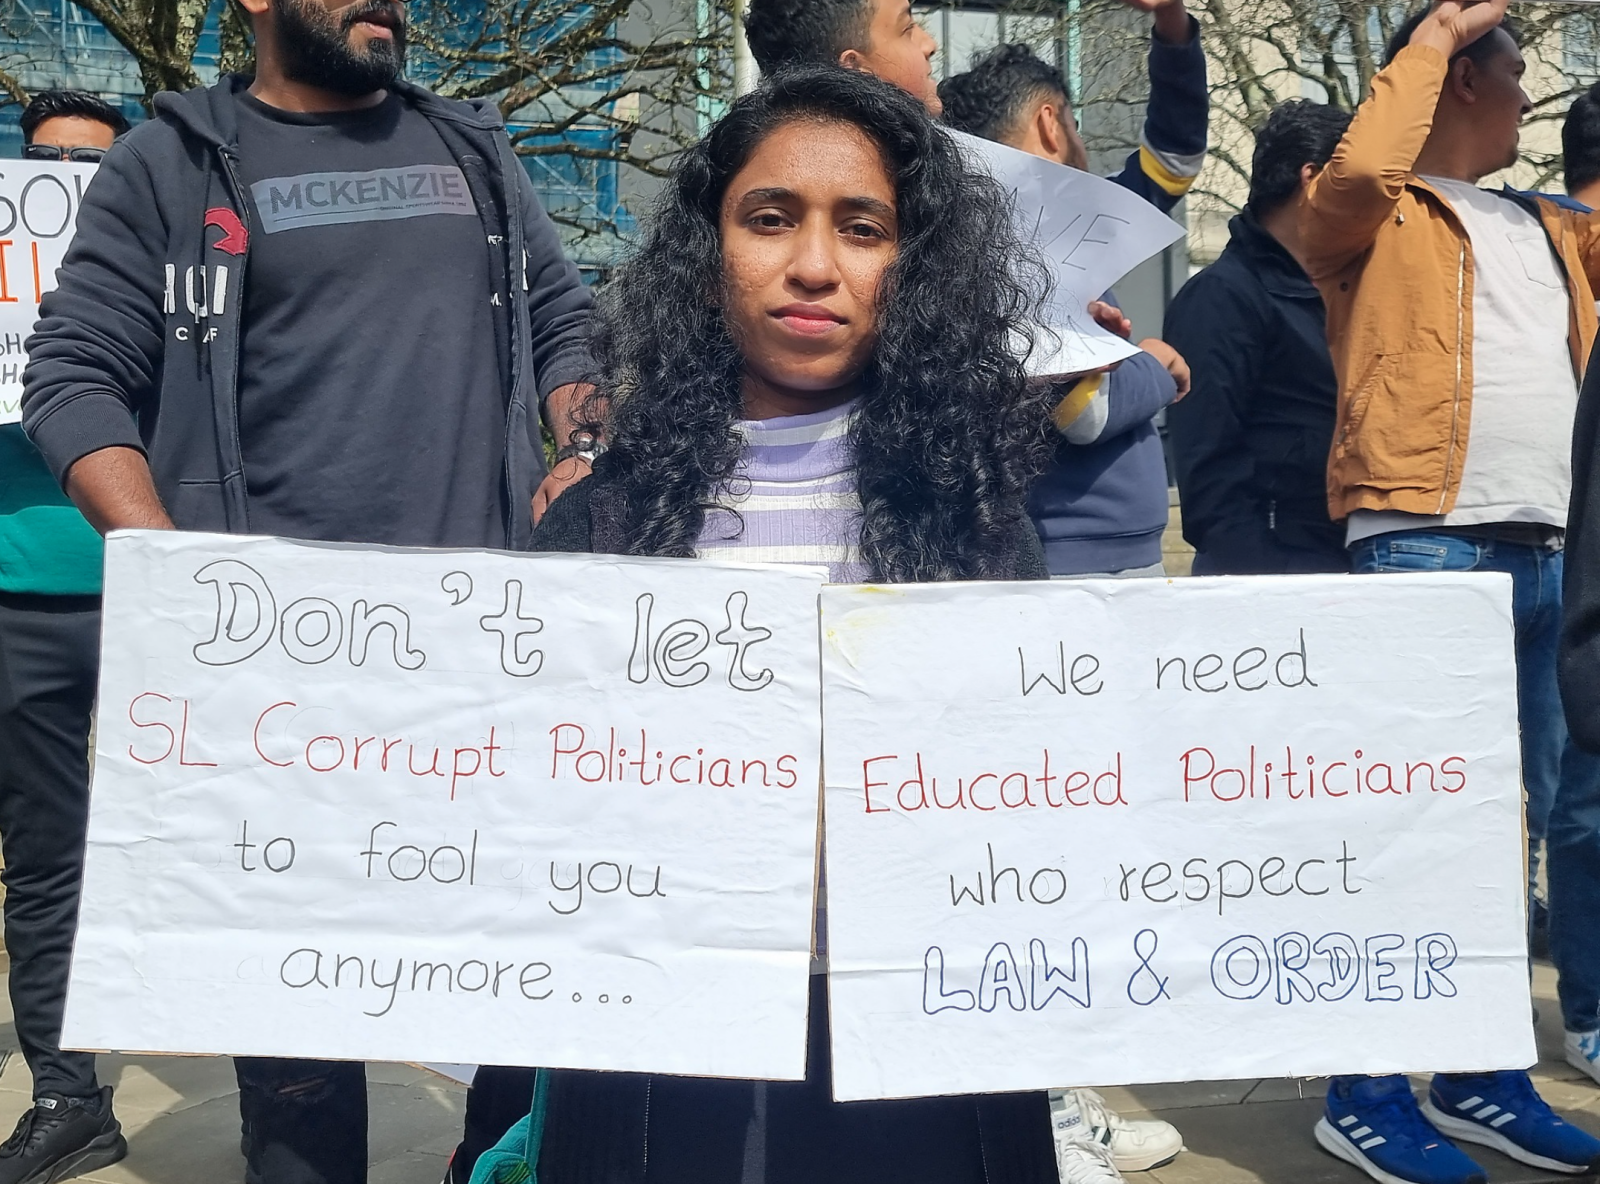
38, 211
1130, 831
451, 807
1091, 232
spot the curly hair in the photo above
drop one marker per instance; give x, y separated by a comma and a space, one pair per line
1297, 133
948, 432
994, 95
800, 32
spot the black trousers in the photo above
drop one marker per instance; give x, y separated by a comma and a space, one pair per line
305, 1122
49, 664
627, 1128
500, 1098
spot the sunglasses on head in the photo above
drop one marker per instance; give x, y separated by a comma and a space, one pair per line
56, 152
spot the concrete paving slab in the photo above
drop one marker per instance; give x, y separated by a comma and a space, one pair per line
148, 1087
1288, 1089
412, 1131
411, 1168
1176, 1095
1260, 1132
400, 1074
1260, 1143
416, 1118
195, 1145
181, 1115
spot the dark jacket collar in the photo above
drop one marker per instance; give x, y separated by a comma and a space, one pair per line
1277, 270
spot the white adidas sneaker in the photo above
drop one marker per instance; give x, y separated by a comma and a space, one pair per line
1583, 1052
1080, 1116
1083, 1161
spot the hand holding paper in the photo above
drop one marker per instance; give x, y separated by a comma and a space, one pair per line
1090, 233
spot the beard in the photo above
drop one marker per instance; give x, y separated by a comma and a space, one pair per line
316, 48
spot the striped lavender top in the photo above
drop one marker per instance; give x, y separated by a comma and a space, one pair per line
795, 492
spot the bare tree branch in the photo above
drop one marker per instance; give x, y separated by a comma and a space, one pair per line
604, 88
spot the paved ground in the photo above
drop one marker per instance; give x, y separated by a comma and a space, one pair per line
181, 1115
182, 1119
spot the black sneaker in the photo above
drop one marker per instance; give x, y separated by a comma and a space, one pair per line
61, 1138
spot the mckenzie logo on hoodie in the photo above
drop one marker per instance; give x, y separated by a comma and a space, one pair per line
378, 195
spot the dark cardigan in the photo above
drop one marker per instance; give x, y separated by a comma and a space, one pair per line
599, 1128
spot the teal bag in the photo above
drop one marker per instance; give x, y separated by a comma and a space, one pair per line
515, 1158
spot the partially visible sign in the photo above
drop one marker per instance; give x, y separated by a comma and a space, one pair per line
39, 203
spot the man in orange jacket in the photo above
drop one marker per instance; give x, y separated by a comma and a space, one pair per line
1460, 320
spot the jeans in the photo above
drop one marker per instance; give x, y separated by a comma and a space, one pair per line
49, 660
1562, 781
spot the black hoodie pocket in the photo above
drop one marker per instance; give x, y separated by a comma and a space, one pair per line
199, 505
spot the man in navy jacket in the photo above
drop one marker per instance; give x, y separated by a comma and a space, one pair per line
1250, 443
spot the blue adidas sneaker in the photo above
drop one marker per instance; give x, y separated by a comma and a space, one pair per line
1374, 1123
1501, 1110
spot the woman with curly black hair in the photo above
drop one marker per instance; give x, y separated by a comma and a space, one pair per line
812, 359
944, 435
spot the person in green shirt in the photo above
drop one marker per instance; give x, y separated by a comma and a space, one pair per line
50, 577
46, 547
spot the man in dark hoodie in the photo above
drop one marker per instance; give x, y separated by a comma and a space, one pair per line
1102, 507
323, 304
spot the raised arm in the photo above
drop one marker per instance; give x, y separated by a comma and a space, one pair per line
1172, 144
1356, 193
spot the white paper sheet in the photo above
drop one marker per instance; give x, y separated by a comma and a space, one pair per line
451, 808
1045, 869
38, 212
1091, 232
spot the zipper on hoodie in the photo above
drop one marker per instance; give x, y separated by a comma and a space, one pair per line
235, 187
